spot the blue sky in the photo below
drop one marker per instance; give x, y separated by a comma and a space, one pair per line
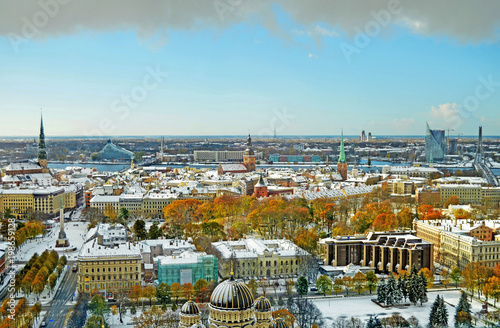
248, 74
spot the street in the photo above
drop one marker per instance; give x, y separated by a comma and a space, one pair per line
58, 308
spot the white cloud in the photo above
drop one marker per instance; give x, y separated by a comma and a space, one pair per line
312, 56
325, 32
447, 115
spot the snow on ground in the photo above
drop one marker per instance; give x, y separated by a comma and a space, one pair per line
361, 307
75, 231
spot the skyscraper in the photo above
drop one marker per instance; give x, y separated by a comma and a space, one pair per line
435, 145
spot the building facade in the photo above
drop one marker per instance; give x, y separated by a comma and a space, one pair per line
108, 270
458, 243
260, 258
383, 251
188, 267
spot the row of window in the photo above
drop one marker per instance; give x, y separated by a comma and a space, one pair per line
109, 269
110, 262
120, 277
109, 285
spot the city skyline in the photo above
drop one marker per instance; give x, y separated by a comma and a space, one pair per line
227, 67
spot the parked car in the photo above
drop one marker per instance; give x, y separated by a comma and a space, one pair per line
75, 268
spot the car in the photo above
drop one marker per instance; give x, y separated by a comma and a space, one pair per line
314, 289
43, 324
75, 268
110, 299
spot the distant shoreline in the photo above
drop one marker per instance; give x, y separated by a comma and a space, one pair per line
256, 137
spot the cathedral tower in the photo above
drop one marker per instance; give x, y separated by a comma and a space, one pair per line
249, 156
42, 152
342, 165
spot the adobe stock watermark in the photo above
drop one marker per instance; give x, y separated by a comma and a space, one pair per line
278, 122
121, 106
11, 275
32, 25
483, 90
381, 19
222, 7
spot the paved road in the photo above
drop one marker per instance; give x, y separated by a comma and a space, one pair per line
58, 309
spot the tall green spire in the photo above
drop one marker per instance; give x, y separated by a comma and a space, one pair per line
342, 151
42, 153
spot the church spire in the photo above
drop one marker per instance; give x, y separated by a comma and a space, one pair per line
42, 152
342, 151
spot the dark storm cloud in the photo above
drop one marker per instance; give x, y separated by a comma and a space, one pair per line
465, 21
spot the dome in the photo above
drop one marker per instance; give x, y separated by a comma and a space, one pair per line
232, 295
278, 323
190, 307
262, 304
198, 325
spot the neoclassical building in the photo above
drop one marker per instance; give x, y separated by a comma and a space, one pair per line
232, 305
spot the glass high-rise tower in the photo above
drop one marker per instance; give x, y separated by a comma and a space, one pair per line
435, 145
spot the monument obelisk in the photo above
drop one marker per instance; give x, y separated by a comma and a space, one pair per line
62, 240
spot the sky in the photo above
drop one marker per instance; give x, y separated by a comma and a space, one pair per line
226, 67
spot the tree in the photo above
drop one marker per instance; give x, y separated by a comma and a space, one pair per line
422, 288
200, 290
492, 288
187, 290
403, 286
253, 286
463, 317
347, 281
155, 317
98, 306
475, 276
139, 228
308, 240
393, 294
284, 314
374, 322
135, 294
452, 200
337, 285
176, 291
381, 292
414, 288
306, 313
302, 286
213, 229
429, 276
149, 292
154, 232
96, 321
124, 214
438, 317
359, 282
324, 285
456, 276
163, 293
445, 278
371, 281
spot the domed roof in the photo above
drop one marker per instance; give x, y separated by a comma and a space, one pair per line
190, 307
278, 323
198, 325
232, 295
262, 304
